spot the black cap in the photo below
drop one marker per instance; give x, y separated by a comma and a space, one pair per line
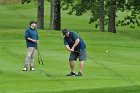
65, 31
33, 22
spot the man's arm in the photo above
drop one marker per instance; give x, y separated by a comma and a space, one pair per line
75, 44
27, 36
30, 39
67, 46
77, 40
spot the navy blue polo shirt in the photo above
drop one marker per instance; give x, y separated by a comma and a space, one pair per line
33, 34
71, 40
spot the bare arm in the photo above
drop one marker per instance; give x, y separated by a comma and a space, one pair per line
75, 44
67, 46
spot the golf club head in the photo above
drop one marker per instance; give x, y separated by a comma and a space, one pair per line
42, 63
39, 61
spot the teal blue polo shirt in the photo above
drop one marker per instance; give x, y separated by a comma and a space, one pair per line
33, 34
71, 40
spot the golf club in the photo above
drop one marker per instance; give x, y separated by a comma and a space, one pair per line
39, 57
77, 51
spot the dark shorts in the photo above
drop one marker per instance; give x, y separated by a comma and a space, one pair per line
78, 54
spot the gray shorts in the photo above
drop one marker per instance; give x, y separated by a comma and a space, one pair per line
78, 54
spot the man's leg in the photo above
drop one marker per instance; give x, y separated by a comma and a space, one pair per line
28, 58
81, 66
32, 59
72, 73
72, 66
82, 58
71, 63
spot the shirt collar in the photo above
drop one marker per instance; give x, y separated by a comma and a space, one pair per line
32, 29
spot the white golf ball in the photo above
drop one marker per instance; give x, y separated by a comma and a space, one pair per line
106, 51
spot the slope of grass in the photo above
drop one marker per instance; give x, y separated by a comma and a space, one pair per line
115, 71
117, 68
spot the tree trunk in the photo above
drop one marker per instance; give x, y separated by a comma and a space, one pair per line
57, 15
52, 15
55, 19
112, 15
101, 10
41, 14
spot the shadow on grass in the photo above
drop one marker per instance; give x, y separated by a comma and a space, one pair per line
126, 89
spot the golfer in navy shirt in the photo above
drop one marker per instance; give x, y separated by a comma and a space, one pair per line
31, 37
75, 44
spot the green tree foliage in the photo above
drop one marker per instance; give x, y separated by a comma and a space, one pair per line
79, 7
132, 13
25, 1
40, 13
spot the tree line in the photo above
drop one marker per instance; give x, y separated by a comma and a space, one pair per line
103, 12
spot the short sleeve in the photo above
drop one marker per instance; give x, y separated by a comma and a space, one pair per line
26, 34
75, 35
65, 42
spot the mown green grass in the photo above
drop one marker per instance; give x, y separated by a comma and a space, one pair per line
116, 71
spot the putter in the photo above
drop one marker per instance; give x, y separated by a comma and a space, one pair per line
39, 57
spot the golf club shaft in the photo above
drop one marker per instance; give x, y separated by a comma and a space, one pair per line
77, 51
39, 57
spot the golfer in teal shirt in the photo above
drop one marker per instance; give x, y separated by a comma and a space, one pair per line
75, 44
31, 37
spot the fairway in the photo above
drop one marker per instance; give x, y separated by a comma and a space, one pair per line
112, 66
